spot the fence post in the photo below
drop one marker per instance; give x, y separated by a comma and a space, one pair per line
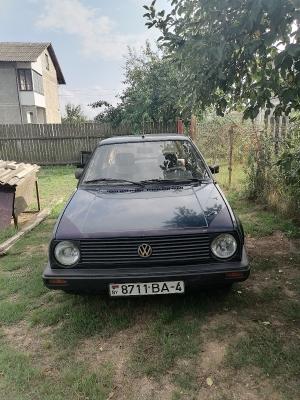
179, 127
277, 134
193, 128
230, 153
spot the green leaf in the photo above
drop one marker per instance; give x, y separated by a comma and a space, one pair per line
271, 5
297, 65
249, 24
150, 24
289, 95
267, 112
256, 7
288, 111
287, 166
278, 59
223, 104
287, 64
255, 112
293, 49
247, 114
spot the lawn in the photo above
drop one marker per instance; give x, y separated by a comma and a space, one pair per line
237, 343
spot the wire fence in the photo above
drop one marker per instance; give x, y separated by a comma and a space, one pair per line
234, 143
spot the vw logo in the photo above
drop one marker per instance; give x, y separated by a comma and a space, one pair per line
144, 250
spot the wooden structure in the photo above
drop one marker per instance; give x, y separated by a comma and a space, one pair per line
17, 183
59, 144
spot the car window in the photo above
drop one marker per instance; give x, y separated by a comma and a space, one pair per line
172, 159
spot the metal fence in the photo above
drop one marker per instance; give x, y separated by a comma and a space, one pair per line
231, 141
53, 144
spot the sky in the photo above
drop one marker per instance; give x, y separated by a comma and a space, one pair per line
90, 39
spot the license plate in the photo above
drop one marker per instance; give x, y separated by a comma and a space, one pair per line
149, 288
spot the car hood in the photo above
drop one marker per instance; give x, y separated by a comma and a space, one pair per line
93, 213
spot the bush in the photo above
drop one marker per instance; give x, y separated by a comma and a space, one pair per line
273, 172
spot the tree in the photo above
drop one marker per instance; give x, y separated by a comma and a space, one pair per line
234, 52
153, 87
74, 115
111, 114
152, 92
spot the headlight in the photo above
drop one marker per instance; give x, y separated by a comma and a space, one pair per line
224, 246
66, 253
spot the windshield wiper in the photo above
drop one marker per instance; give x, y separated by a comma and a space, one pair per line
157, 180
113, 181
178, 180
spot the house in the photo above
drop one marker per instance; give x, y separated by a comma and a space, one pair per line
29, 79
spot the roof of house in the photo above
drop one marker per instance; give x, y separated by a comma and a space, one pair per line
29, 52
13, 174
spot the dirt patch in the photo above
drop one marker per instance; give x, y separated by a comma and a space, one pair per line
23, 219
22, 337
276, 244
118, 350
216, 381
238, 385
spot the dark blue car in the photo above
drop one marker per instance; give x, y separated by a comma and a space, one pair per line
147, 218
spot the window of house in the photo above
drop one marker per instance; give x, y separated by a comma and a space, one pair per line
30, 117
30, 80
37, 82
25, 79
47, 61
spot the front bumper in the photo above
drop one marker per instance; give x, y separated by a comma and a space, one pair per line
211, 274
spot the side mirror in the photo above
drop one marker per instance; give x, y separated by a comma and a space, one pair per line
214, 169
85, 156
78, 173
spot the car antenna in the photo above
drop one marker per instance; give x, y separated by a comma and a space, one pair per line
143, 135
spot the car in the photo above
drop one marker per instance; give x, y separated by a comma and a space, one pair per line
147, 218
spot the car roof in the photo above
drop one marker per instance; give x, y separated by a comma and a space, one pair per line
143, 138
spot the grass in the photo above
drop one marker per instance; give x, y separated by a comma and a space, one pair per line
23, 380
274, 352
55, 183
57, 346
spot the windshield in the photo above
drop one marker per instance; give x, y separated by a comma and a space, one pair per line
144, 161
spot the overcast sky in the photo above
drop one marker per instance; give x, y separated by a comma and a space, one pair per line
89, 37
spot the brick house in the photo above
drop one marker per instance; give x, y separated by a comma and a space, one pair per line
29, 79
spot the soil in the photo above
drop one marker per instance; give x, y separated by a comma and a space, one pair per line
24, 218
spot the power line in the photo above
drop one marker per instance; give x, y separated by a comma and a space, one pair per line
88, 90
89, 95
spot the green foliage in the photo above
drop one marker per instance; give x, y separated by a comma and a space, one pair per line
289, 163
234, 52
152, 92
74, 115
272, 180
111, 114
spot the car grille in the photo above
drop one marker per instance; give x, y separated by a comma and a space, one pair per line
181, 249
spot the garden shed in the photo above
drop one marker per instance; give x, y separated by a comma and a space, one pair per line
17, 184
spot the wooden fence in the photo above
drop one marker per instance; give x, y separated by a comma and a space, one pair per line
52, 144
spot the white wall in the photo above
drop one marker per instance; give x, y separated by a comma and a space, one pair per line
37, 66
32, 98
